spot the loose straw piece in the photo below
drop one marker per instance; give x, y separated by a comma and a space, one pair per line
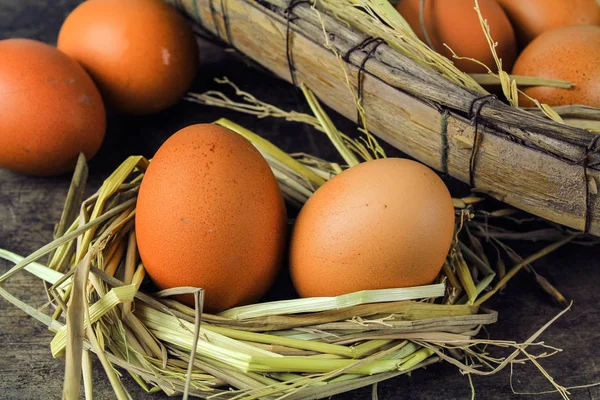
199, 304
76, 330
130, 263
545, 251
64, 239
86, 368
332, 132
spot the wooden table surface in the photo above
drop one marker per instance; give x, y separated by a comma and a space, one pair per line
29, 207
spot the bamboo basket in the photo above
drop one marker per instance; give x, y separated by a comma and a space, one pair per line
546, 168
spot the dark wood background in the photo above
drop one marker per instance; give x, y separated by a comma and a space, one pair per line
29, 207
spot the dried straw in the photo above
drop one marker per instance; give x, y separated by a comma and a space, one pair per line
265, 350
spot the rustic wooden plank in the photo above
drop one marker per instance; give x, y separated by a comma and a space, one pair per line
524, 177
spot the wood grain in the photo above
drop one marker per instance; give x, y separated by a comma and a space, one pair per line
525, 177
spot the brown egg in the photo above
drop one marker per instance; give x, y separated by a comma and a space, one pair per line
210, 214
382, 224
141, 53
50, 109
456, 24
572, 54
531, 18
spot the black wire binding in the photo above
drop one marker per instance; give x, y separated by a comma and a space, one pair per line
361, 77
592, 149
367, 41
288, 37
361, 69
474, 112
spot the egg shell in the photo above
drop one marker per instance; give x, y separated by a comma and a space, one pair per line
572, 54
141, 53
50, 109
210, 214
531, 18
456, 24
381, 224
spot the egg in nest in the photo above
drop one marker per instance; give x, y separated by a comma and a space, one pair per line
210, 214
382, 224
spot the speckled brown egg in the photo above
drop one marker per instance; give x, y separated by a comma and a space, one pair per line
456, 24
50, 109
381, 224
141, 53
210, 214
531, 18
572, 54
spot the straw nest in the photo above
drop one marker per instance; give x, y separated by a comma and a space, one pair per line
299, 348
